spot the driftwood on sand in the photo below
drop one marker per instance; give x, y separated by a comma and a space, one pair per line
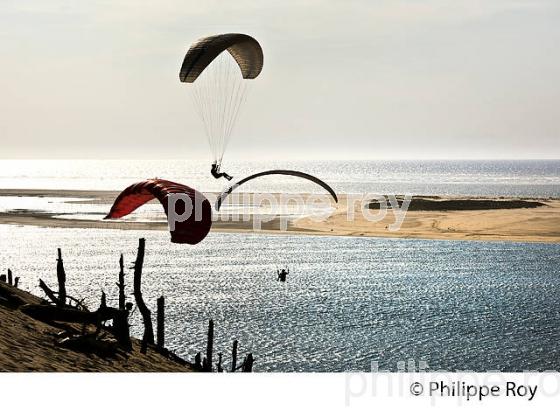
87, 331
52, 313
10, 298
68, 309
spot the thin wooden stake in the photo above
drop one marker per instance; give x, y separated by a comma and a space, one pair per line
103, 303
248, 364
209, 346
198, 361
234, 356
61, 276
120, 285
220, 368
161, 322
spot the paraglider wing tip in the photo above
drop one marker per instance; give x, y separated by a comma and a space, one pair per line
218, 204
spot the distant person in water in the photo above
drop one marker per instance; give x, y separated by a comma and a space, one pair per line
217, 174
282, 274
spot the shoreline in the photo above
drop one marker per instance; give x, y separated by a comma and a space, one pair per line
536, 224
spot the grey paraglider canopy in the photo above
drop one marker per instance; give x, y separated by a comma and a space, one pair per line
246, 51
299, 174
217, 82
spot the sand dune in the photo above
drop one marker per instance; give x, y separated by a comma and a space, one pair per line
540, 224
27, 344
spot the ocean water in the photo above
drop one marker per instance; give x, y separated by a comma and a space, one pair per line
495, 178
348, 302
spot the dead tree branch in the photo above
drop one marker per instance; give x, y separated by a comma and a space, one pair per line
50, 294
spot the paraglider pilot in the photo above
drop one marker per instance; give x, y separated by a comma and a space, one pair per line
217, 174
282, 274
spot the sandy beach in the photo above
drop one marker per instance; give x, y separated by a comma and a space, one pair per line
490, 221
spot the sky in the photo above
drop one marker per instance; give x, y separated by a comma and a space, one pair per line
348, 79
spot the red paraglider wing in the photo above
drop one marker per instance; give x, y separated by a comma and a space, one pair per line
128, 201
191, 230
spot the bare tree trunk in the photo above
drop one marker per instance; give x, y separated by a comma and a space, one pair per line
61, 276
146, 314
10, 277
120, 285
161, 322
209, 346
